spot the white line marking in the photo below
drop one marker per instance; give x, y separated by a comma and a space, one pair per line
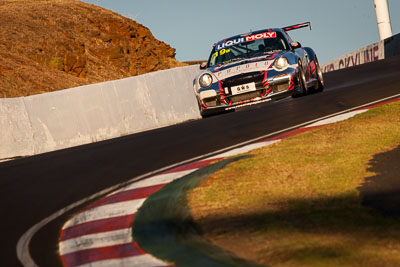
106, 211
244, 149
338, 118
98, 240
146, 260
158, 179
23, 252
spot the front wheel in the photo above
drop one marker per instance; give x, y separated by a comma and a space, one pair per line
301, 79
319, 87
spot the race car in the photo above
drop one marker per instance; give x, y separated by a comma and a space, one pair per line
256, 67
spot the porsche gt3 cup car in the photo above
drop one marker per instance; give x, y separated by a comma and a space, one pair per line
256, 67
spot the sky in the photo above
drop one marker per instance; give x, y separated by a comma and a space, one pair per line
191, 27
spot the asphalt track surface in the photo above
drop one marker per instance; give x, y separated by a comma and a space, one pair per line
33, 188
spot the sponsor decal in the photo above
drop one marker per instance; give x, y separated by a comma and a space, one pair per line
244, 68
258, 36
364, 55
312, 65
222, 52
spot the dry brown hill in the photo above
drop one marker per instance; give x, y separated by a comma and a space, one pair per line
48, 45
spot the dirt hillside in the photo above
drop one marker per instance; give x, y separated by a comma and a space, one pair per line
48, 45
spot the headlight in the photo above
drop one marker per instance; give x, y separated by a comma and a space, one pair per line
281, 63
205, 80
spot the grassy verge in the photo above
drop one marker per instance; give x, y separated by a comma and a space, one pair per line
296, 203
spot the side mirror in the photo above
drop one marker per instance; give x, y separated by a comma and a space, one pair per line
295, 45
203, 66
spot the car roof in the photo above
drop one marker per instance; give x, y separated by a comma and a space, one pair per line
250, 33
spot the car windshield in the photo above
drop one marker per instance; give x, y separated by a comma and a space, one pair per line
246, 47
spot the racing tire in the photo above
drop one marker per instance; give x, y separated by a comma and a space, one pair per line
319, 87
301, 78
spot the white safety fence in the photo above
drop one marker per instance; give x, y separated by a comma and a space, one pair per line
62, 119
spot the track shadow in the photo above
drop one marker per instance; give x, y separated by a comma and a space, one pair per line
333, 215
382, 191
376, 221
165, 221
322, 230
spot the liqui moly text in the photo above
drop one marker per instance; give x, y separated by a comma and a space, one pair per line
264, 35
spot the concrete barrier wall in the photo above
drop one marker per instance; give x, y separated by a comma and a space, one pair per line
392, 46
377, 51
366, 54
81, 115
16, 136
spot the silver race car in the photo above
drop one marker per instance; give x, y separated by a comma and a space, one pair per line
256, 67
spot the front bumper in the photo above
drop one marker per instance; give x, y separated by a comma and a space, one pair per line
269, 84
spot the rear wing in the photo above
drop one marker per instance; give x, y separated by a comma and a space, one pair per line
298, 26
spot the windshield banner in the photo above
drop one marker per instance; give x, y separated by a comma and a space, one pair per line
258, 36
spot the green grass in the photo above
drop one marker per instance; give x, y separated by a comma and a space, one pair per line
296, 203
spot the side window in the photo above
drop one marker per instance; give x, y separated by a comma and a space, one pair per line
212, 60
288, 38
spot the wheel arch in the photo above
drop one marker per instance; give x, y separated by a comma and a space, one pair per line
310, 52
